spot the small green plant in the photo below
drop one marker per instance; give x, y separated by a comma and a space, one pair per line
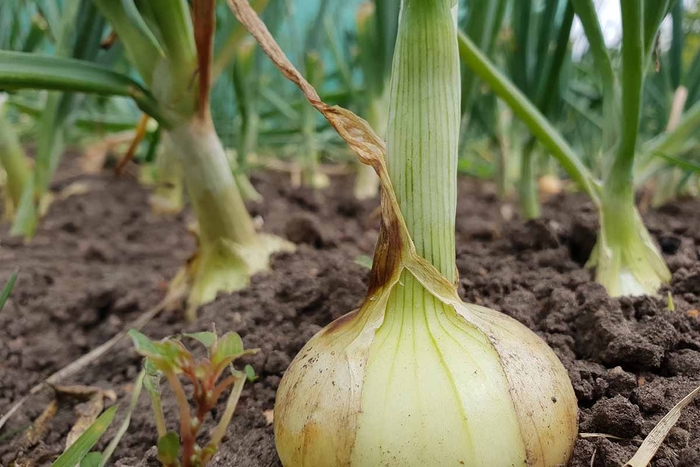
80, 452
169, 358
5, 294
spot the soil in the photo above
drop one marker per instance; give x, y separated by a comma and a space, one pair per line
101, 258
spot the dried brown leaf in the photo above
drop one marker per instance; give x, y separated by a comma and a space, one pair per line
87, 414
599, 435
90, 357
657, 436
78, 391
74, 189
362, 140
38, 429
269, 416
95, 155
204, 25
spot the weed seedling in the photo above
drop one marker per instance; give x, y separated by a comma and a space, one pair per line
169, 358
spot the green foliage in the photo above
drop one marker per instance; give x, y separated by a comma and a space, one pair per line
8, 289
169, 448
80, 449
169, 358
92, 459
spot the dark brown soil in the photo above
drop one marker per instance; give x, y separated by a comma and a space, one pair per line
102, 258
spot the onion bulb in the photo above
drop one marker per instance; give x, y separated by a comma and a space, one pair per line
409, 380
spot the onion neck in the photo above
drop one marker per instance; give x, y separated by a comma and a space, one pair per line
13, 160
423, 130
215, 197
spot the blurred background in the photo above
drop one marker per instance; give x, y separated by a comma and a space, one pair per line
344, 48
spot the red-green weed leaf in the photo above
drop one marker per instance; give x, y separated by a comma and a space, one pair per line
93, 459
143, 344
250, 373
229, 348
168, 355
153, 376
207, 338
169, 448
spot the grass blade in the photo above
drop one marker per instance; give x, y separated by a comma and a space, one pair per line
78, 450
112, 446
8, 288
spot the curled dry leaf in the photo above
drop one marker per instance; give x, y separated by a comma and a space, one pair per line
74, 189
38, 429
84, 393
88, 411
656, 437
87, 414
90, 357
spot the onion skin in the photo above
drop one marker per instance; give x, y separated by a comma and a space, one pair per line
343, 403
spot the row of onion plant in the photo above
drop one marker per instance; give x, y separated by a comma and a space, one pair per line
170, 45
625, 258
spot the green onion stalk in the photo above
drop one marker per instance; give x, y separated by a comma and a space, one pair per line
416, 377
77, 35
311, 176
543, 87
376, 101
625, 258
677, 142
246, 82
13, 161
668, 181
168, 195
229, 248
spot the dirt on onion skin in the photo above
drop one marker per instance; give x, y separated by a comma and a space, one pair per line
101, 259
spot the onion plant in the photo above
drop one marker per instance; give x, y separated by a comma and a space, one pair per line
482, 21
13, 161
537, 65
672, 96
625, 258
535, 52
78, 36
376, 34
170, 45
416, 377
314, 67
246, 82
23, 30
167, 196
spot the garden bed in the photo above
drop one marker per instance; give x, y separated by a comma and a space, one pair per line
101, 258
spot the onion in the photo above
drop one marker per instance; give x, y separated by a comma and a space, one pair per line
415, 377
422, 379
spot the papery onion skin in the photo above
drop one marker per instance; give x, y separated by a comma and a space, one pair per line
466, 388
